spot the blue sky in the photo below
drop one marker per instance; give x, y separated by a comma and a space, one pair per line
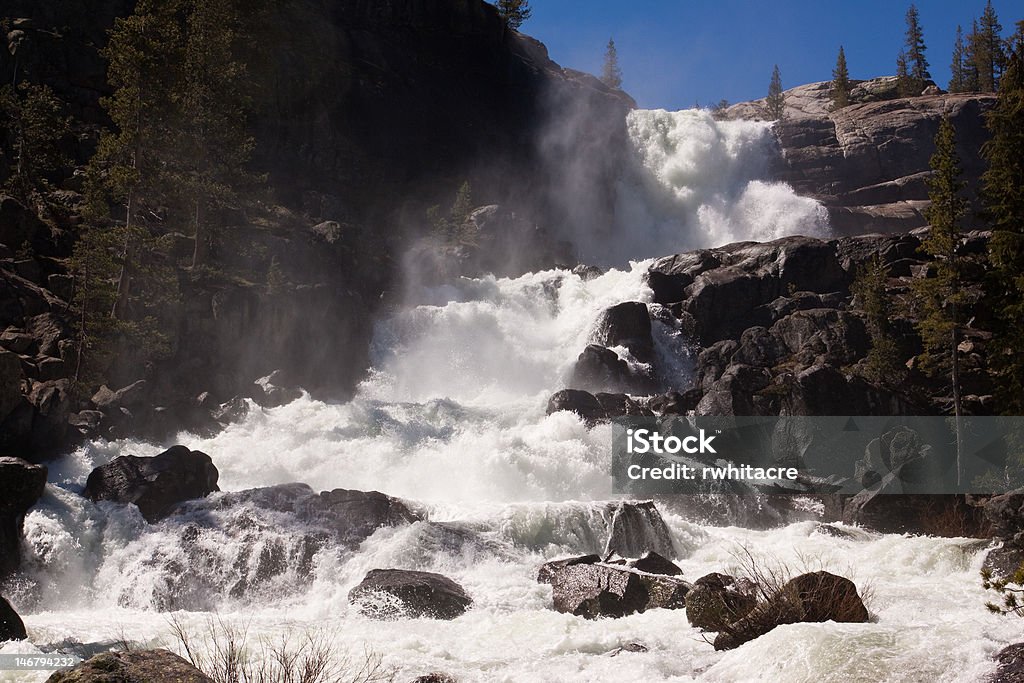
674, 53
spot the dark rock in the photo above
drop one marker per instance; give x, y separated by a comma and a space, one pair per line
619, 405
108, 400
132, 666
364, 511
627, 324
154, 484
653, 563
435, 677
587, 272
21, 485
669, 277
674, 403
1006, 514
814, 597
716, 601
11, 625
1004, 561
637, 529
835, 531
599, 369
1011, 665
604, 590
396, 593
582, 403
629, 647
273, 391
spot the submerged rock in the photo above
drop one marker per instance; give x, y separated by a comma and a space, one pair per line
132, 666
397, 593
814, 597
154, 484
21, 485
11, 625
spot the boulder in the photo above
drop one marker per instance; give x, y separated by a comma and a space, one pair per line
653, 563
599, 369
435, 677
11, 625
21, 485
398, 593
592, 590
548, 570
583, 403
273, 391
108, 401
132, 666
154, 484
814, 597
636, 529
718, 600
627, 324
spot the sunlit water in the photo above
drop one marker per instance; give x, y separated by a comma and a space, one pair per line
452, 419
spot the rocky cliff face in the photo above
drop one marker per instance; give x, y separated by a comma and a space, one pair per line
364, 114
868, 162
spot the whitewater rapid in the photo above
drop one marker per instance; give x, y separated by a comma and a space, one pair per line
452, 418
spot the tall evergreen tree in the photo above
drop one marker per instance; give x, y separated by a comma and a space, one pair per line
958, 76
1003, 193
775, 104
882, 362
514, 12
972, 46
917, 64
941, 298
215, 143
904, 83
988, 54
840, 92
611, 74
35, 121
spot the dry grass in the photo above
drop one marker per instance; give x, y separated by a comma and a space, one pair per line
228, 654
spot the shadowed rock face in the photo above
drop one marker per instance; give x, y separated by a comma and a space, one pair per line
21, 485
11, 626
396, 593
152, 666
868, 162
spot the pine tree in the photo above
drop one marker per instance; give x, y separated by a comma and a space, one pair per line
941, 297
776, 102
958, 76
611, 74
882, 363
514, 12
972, 80
840, 92
1003, 193
35, 120
904, 83
917, 64
214, 104
988, 54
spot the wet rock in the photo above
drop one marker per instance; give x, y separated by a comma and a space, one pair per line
813, 597
396, 593
11, 625
599, 369
653, 563
154, 484
21, 485
362, 512
718, 600
583, 403
1011, 665
627, 324
593, 590
629, 647
109, 401
674, 403
587, 272
273, 391
636, 529
549, 569
435, 677
132, 666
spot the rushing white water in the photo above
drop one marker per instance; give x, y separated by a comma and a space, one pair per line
694, 182
452, 418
